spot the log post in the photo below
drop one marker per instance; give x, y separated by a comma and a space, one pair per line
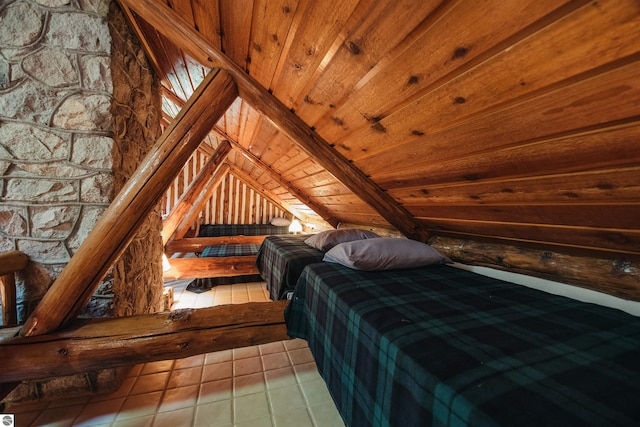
117, 226
10, 263
8, 294
193, 192
200, 200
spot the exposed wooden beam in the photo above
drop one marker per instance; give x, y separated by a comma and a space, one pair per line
183, 35
201, 268
197, 244
212, 184
119, 223
112, 342
194, 191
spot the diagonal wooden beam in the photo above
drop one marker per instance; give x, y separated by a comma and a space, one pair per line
194, 191
119, 223
190, 216
184, 36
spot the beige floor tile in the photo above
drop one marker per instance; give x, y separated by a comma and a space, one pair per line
249, 384
151, 382
95, 413
214, 414
217, 371
285, 399
250, 407
179, 398
246, 366
280, 378
179, 417
184, 377
213, 391
294, 418
140, 405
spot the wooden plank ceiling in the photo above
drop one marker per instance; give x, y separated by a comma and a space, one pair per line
512, 121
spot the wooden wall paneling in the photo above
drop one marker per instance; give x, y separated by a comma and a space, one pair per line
269, 30
449, 54
375, 35
285, 120
235, 17
599, 101
528, 68
624, 242
196, 71
232, 119
321, 24
176, 73
191, 197
605, 148
619, 216
612, 186
195, 208
256, 192
207, 20
276, 179
118, 224
150, 41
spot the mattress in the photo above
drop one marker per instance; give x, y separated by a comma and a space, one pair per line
280, 261
447, 347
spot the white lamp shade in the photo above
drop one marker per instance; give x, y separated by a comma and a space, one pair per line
295, 226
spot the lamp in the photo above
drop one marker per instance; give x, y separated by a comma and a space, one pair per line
295, 227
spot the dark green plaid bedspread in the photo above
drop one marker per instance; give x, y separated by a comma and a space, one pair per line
244, 249
446, 347
280, 261
217, 230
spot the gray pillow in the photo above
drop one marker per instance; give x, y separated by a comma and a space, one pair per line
327, 239
384, 254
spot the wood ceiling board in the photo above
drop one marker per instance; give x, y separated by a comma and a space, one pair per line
548, 61
316, 27
321, 178
608, 186
236, 18
605, 148
611, 96
302, 169
334, 189
624, 242
232, 120
375, 36
270, 28
613, 216
437, 57
206, 15
182, 8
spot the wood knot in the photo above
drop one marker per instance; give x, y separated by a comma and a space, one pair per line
459, 100
354, 48
417, 133
413, 80
63, 351
460, 52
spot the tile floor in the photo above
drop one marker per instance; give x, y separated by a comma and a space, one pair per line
275, 384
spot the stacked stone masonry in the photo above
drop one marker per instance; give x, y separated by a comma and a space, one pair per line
79, 109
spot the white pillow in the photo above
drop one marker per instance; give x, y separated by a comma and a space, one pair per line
385, 253
328, 239
280, 222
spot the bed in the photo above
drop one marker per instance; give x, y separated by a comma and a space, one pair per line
233, 245
444, 346
281, 259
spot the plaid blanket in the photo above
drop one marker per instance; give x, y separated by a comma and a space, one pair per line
247, 249
446, 347
280, 261
216, 230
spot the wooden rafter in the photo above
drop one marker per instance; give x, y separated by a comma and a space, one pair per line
183, 35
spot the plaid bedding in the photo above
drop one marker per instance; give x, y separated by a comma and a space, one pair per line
280, 261
217, 230
245, 249
446, 347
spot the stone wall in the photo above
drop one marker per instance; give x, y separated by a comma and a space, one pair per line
79, 108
